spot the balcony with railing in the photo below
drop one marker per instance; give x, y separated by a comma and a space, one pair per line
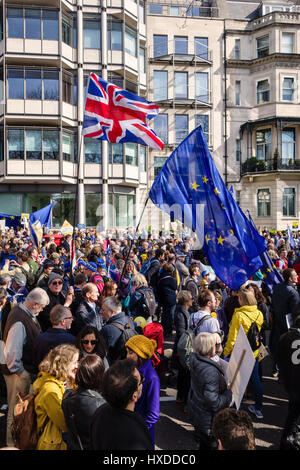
180, 50
254, 165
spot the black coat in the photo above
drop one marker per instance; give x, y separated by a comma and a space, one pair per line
284, 299
44, 315
208, 393
181, 321
119, 430
166, 289
289, 362
86, 315
79, 407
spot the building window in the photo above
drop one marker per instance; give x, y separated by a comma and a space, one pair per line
33, 144
181, 127
92, 150
160, 85
181, 85
114, 36
15, 141
201, 86
237, 93
117, 153
130, 41
67, 146
32, 24
15, 81
158, 164
288, 202
264, 144
142, 11
202, 119
180, 45
50, 25
160, 126
288, 89
142, 157
142, 60
287, 45
91, 34
131, 154
263, 203
92, 203
160, 45
155, 9
51, 144
288, 146
263, 91
67, 30
50, 85
237, 49
174, 11
262, 46
201, 47
33, 80
123, 214
238, 150
15, 24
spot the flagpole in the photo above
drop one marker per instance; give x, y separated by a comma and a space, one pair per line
131, 243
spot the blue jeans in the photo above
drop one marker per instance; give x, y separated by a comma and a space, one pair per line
256, 385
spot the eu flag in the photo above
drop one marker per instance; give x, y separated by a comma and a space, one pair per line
291, 238
190, 188
38, 220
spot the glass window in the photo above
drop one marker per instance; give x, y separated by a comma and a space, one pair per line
15, 80
158, 164
181, 127
33, 84
92, 34
201, 86
92, 150
114, 36
33, 144
288, 146
262, 46
287, 46
1, 143
130, 41
15, 24
160, 127
237, 93
142, 155
180, 45
51, 144
201, 47
92, 203
288, 202
202, 119
264, 144
181, 85
155, 8
142, 60
263, 91
15, 141
33, 24
117, 150
67, 30
238, 150
237, 49
64, 207
51, 85
174, 11
67, 146
160, 45
160, 85
124, 209
142, 11
263, 203
50, 25
131, 153
67, 88
288, 89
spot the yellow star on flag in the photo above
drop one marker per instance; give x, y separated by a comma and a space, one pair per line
195, 186
231, 232
207, 239
222, 206
216, 191
220, 240
205, 180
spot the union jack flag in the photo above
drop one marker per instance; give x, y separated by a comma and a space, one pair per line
118, 115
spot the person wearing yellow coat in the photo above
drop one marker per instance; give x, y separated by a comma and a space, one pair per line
56, 373
245, 315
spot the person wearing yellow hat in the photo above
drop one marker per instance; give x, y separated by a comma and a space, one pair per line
140, 350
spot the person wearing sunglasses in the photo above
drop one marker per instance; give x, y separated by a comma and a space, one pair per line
89, 341
57, 296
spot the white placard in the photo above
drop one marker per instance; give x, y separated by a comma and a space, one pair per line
242, 358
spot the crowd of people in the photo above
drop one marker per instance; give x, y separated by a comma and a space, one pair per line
89, 341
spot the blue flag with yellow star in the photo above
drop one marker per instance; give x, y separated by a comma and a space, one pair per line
38, 220
190, 188
11, 220
291, 238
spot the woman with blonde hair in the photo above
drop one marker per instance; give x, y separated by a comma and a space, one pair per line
245, 315
138, 303
56, 374
126, 287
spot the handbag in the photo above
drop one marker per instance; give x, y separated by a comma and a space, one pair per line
126, 301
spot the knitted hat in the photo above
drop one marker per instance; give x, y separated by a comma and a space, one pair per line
53, 276
142, 346
101, 263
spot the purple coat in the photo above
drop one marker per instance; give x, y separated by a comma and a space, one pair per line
148, 403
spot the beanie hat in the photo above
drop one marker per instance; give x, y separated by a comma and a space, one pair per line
142, 346
141, 320
53, 276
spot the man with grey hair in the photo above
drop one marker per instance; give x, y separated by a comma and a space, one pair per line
116, 322
61, 320
21, 329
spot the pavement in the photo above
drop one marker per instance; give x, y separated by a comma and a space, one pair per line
174, 431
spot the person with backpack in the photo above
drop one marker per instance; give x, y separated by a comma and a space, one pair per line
203, 320
251, 319
151, 269
192, 285
140, 350
118, 328
167, 291
142, 301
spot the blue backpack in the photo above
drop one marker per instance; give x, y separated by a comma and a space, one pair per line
146, 266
